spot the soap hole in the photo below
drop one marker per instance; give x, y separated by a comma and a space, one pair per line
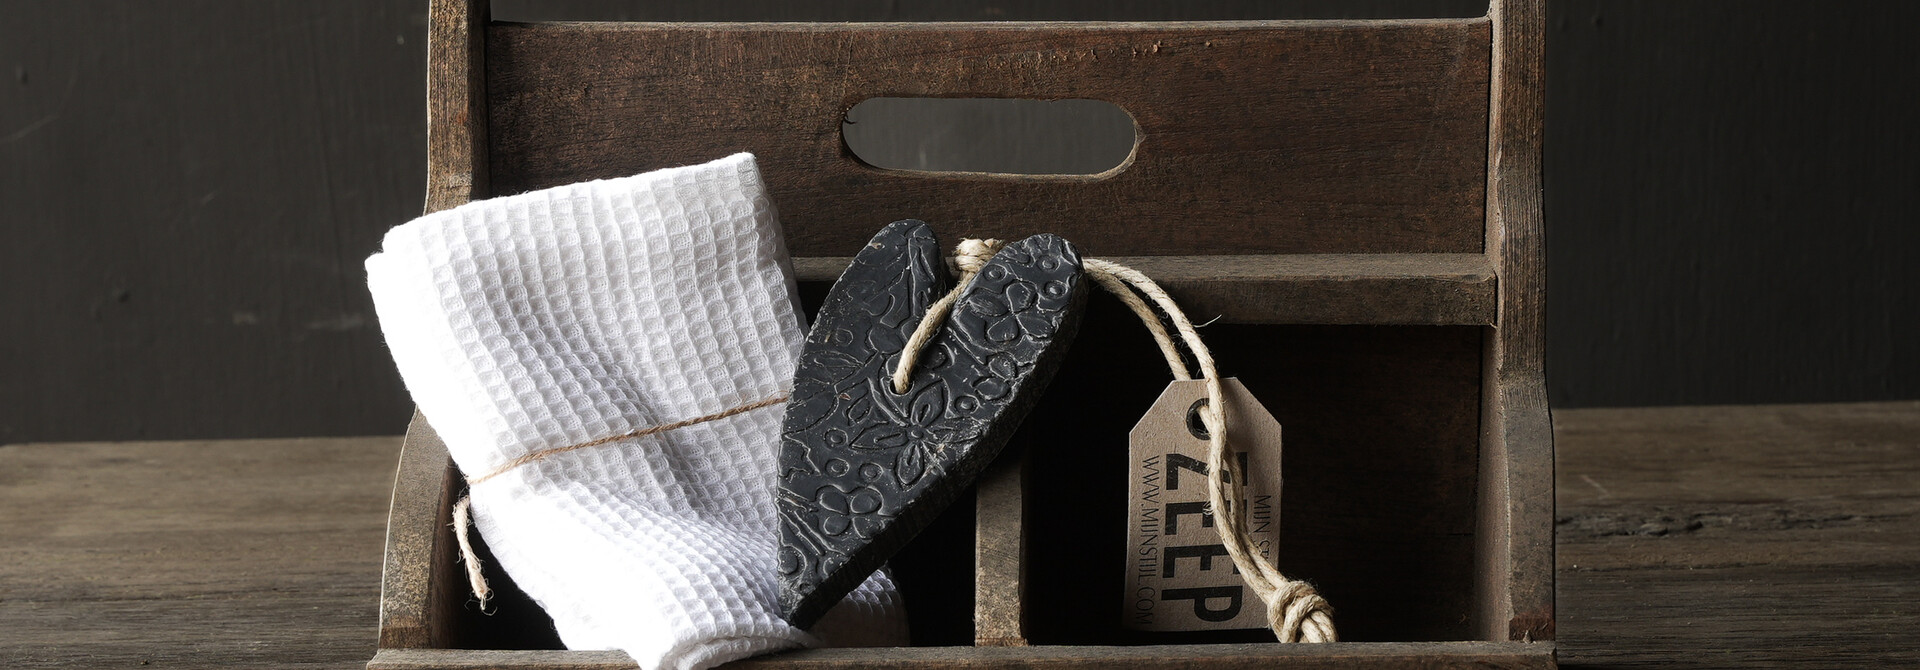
991, 135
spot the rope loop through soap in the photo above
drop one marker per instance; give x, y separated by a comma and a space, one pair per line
1295, 611
969, 258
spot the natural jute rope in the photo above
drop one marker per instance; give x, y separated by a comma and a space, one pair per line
972, 255
481, 590
1295, 612
475, 579
532, 456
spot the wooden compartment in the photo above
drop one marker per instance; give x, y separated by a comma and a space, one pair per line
1359, 201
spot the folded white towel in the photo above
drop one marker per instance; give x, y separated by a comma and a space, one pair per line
557, 317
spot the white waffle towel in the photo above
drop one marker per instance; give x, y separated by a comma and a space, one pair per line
557, 317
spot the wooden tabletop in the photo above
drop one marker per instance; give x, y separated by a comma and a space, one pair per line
1693, 536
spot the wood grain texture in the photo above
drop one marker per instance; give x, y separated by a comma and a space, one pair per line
1732, 536
418, 573
457, 142
978, 10
1413, 289
1740, 536
1000, 553
1515, 533
191, 554
1255, 137
415, 610
1336, 656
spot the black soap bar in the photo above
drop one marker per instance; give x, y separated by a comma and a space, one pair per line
862, 468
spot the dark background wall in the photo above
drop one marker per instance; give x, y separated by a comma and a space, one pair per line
187, 191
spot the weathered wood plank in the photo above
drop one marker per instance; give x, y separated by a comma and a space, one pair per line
419, 564
1515, 534
1694, 536
1381, 289
457, 142
191, 554
1000, 553
1255, 137
1337, 656
1740, 536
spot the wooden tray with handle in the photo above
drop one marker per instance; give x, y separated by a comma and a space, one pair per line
1357, 201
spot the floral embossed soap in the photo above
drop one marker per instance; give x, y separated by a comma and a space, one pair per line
864, 465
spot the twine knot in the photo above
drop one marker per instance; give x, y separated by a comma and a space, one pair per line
1295, 612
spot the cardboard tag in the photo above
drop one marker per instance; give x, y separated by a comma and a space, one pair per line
1179, 576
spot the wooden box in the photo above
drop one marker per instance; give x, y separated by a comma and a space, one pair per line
1359, 201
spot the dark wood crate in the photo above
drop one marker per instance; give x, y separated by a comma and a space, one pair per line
1358, 200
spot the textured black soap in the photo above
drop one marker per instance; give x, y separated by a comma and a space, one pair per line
862, 468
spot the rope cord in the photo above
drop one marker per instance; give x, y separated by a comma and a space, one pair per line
1295, 611
475, 579
461, 510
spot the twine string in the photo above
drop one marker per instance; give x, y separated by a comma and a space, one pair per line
968, 258
1295, 611
532, 456
475, 579
461, 510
